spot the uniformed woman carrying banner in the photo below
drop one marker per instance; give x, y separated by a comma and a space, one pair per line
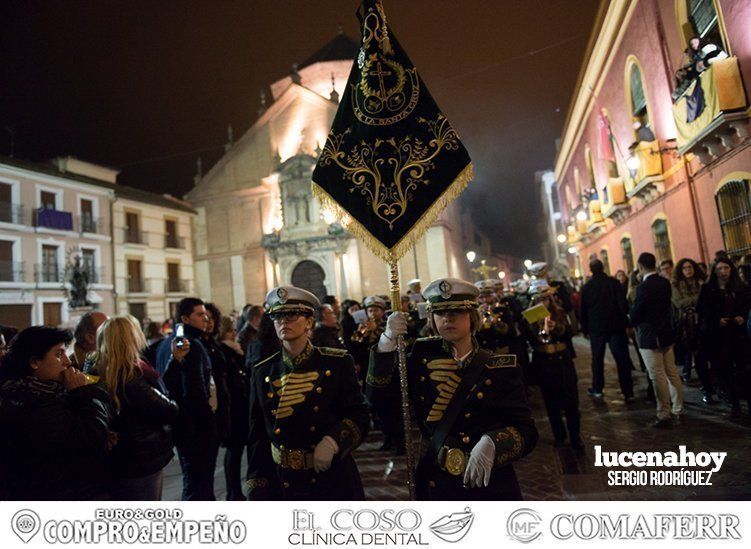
469, 403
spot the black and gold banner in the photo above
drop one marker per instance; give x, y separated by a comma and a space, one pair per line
392, 161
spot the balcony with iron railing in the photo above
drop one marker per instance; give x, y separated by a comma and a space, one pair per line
177, 286
138, 285
12, 271
90, 224
48, 273
96, 275
174, 241
135, 236
617, 205
12, 213
53, 219
711, 113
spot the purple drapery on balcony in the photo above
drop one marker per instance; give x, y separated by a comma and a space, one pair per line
54, 219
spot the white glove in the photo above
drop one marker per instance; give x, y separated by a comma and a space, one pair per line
480, 464
324, 453
396, 325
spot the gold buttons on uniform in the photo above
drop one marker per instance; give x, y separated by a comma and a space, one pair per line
319, 390
328, 372
273, 412
315, 408
270, 394
422, 378
431, 484
488, 382
277, 431
286, 485
313, 480
465, 440
267, 379
312, 428
480, 395
424, 360
468, 415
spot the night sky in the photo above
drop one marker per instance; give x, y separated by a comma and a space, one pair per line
147, 87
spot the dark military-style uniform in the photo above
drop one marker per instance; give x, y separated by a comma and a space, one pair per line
495, 405
293, 404
554, 371
297, 403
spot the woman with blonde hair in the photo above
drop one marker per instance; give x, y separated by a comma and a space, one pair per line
141, 414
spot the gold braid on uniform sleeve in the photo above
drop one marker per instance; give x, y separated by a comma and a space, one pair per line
509, 445
253, 483
347, 435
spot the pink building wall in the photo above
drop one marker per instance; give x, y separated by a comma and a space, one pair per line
654, 38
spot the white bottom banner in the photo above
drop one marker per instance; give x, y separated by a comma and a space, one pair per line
375, 524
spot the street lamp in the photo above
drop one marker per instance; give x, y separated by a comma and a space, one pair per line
561, 238
527, 263
581, 215
471, 256
573, 250
502, 275
632, 163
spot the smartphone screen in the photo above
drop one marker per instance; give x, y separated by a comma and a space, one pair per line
179, 336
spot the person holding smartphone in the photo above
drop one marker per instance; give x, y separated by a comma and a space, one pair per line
307, 413
185, 366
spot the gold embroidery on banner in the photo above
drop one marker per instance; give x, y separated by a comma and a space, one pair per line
406, 168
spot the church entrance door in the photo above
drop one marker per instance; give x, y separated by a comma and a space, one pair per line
310, 276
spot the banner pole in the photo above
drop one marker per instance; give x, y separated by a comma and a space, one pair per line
396, 304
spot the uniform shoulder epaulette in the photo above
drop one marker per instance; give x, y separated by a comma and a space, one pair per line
332, 351
265, 360
501, 361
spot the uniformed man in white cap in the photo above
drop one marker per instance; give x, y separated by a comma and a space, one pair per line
307, 412
469, 403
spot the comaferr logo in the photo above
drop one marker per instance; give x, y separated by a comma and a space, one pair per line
524, 525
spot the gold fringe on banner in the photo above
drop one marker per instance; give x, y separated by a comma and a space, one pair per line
418, 229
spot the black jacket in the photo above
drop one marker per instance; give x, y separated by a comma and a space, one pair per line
143, 427
603, 306
188, 384
651, 313
52, 441
293, 405
237, 392
496, 406
710, 309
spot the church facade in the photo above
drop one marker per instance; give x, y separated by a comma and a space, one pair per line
258, 224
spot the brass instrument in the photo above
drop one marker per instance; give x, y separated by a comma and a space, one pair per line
493, 319
359, 335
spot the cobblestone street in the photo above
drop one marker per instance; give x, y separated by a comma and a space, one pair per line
550, 473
